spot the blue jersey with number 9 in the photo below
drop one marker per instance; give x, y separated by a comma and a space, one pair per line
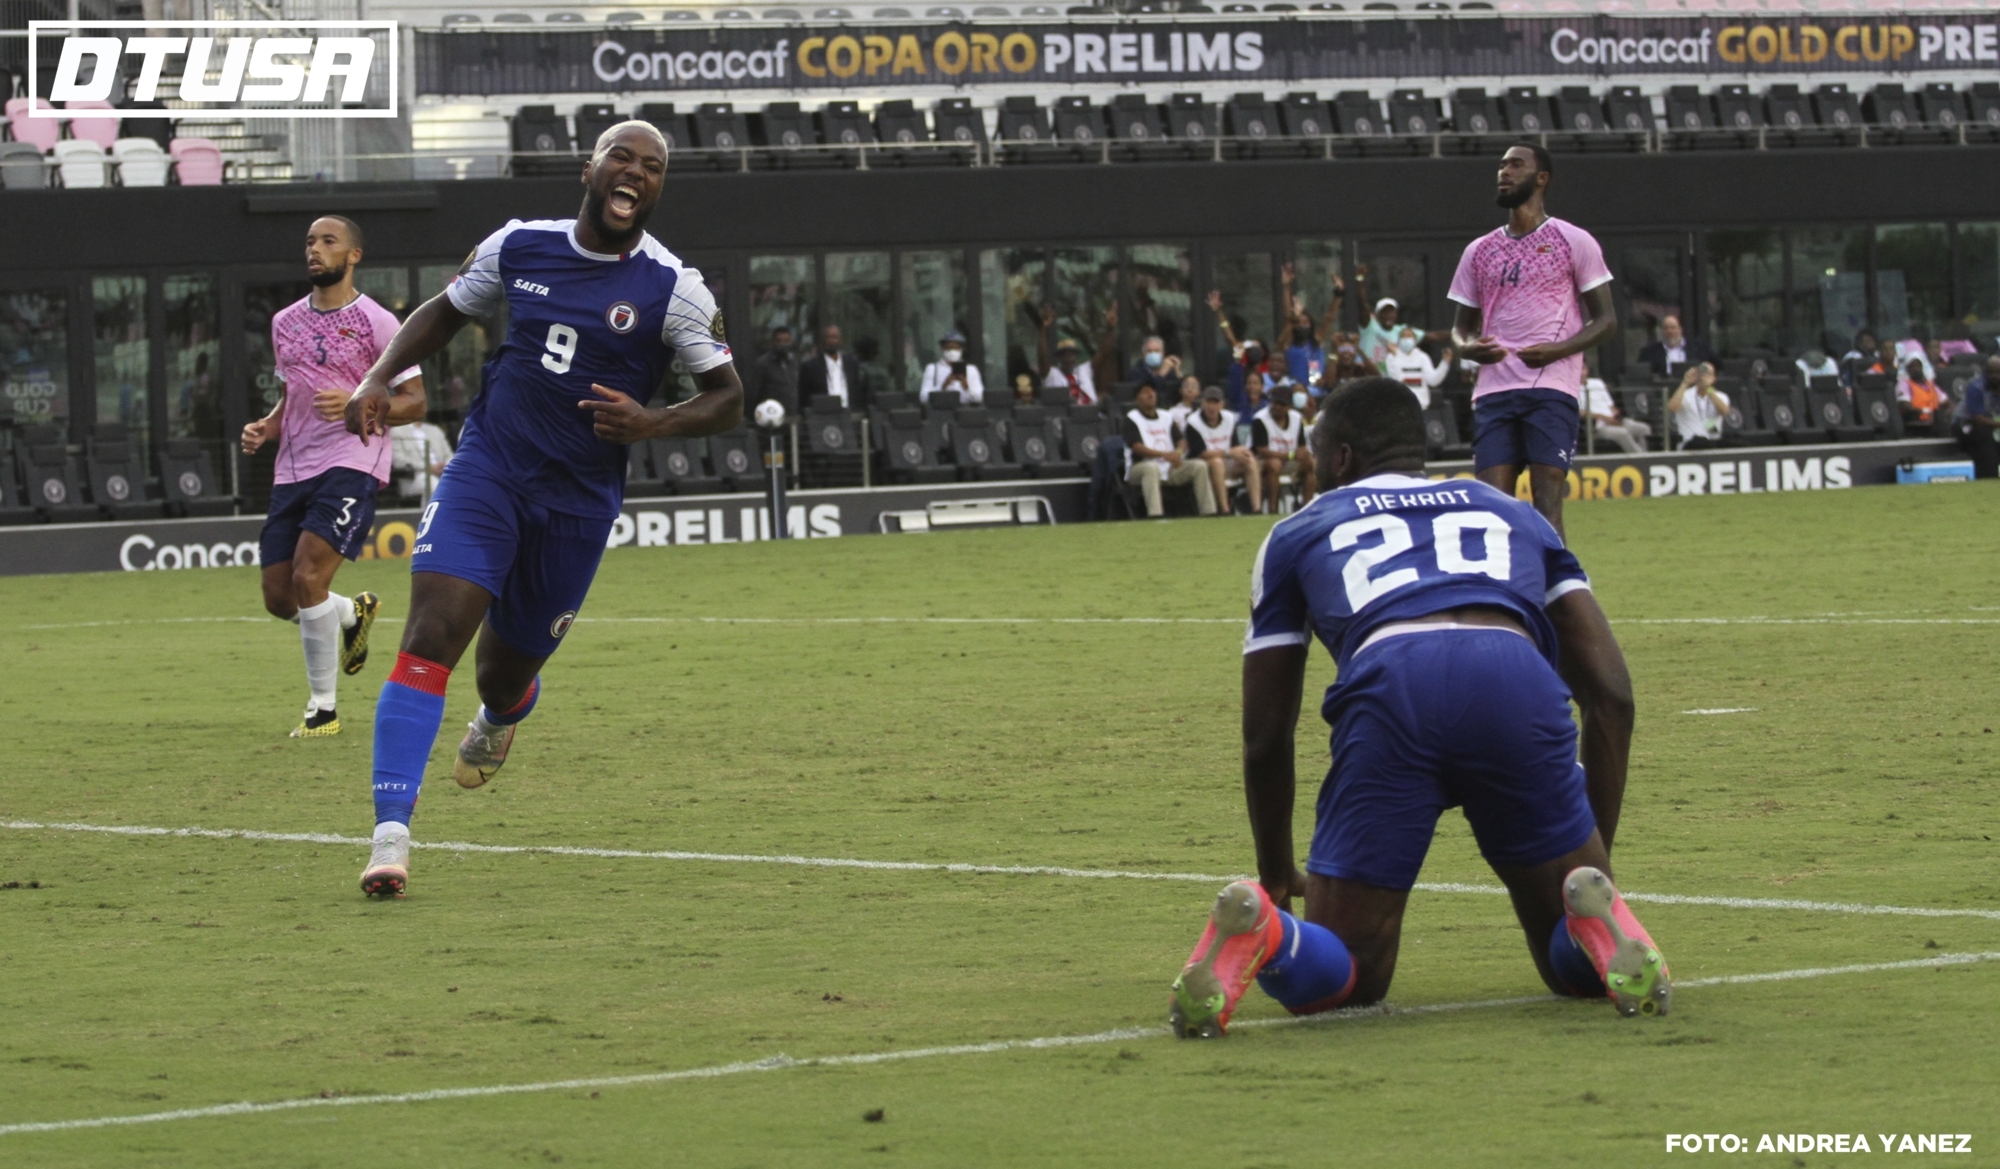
574, 318
1396, 547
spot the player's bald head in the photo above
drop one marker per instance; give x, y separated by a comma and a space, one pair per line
642, 131
1376, 419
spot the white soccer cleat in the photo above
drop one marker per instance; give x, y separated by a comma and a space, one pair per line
481, 752
388, 871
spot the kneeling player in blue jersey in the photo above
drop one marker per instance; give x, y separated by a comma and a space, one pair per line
1461, 627
596, 311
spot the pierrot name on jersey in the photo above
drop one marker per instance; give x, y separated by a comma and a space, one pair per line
1396, 547
575, 317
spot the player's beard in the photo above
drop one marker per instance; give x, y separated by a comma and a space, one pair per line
593, 207
327, 277
1513, 197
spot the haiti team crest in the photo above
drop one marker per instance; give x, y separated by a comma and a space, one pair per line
621, 316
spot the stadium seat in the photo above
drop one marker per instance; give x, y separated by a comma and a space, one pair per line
1894, 118
1140, 129
1746, 423
141, 162
1076, 120
1832, 417
1475, 120
1741, 420
1738, 113
14, 508
1360, 117
737, 456
1304, 115
187, 478
842, 123
1441, 434
642, 478
22, 167
1778, 410
1189, 118
1022, 120
117, 480
1647, 403
1875, 406
1983, 112
677, 463
1789, 114
51, 478
1413, 114
80, 164
96, 121
939, 415
976, 447
956, 120
783, 124
591, 123
1083, 433
830, 428
1690, 117
541, 142
43, 132
899, 121
719, 126
1527, 111
1627, 110
672, 126
906, 456
1839, 111
1032, 441
1254, 120
1942, 107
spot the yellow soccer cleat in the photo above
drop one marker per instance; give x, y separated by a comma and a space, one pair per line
317, 724
354, 642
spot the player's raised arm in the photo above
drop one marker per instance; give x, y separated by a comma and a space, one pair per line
1272, 682
1593, 667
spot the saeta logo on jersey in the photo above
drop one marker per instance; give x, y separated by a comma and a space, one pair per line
293, 69
622, 316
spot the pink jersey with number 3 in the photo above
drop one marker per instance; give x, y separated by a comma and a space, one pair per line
1530, 291
329, 350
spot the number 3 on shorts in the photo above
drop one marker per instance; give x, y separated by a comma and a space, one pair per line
562, 349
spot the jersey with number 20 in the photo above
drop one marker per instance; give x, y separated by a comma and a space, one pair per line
1396, 547
574, 318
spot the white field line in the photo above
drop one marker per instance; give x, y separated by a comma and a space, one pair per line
1829, 619
1721, 710
781, 1062
835, 862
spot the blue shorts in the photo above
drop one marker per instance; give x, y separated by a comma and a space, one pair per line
338, 506
537, 563
1428, 721
1513, 428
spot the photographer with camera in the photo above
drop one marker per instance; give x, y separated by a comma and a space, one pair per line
952, 373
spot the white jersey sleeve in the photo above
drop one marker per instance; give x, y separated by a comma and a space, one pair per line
478, 290
693, 327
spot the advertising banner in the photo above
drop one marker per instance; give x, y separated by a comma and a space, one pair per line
837, 56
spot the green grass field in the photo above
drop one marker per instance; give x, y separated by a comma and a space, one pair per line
141, 974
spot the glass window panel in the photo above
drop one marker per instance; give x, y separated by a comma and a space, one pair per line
1649, 284
1162, 278
193, 359
1403, 277
859, 301
34, 355
1086, 289
452, 377
1247, 282
1316, 265
261, 302
121, 354
1912, 281
389, 286
1745, 289
1829, 287
1010, 301
934, 303
1979, 252
781, 294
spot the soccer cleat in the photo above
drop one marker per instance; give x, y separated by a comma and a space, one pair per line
1635, 975
388, 871
481, 753
1243, 932
317, 724
354, 642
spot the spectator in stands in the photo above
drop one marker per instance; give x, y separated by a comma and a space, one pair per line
1972, 422
1211, 437
952, 373
775, 377
1248, 356
1860, 358
1253, 394
1698, 409
1919, 397
831, 373
1024, 390
1815, 363
1609, 423
1378, 334
1305, 357
1414, 368
1156, 368
1675, 352
1067, 367
1348, 363
1158, 448
1277, 439
1959, 343
417, 455
1190, 400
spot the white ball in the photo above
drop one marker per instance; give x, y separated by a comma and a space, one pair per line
770, 414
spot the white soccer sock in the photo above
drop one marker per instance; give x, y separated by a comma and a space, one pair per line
319, 629
346, 610
389, 829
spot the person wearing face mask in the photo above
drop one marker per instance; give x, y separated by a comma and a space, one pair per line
1277, 438
1156, 368
952, 373
1378, 335
1414, 368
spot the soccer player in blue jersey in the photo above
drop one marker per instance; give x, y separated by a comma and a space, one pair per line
597, 309
1461, 627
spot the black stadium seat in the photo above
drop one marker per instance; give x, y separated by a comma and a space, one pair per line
1942, 107
906, 455
1023, 120
1778, 408
1983, 112
642, 477
899, 120
1838, 111
1304, 115
672, 126
591, 123
50, 477
1691, 119
1140, 128
1079, 122
117, 480
1254, 120
1737, 112
1033, 442
1792, 121
841, 123
677, 463
1832, 416
1527, 111
1189, 118
1875, 407
1628, 111
13, 507
737, 456
957, 121
1474, 116
976, 448
1083, 433
542, 143
783, 123
718, 126
1413, 114
187, 478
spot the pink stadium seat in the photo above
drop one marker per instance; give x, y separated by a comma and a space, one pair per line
197, 161
43, 132
99, 128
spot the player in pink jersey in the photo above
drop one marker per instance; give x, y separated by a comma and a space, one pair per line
1532, 296
323, 489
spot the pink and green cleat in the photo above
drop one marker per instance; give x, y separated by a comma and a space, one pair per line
1244, 930
1635, 974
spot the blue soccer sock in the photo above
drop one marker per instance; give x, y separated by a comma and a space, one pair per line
1312, 970
407, 716
1572, 964
518, 711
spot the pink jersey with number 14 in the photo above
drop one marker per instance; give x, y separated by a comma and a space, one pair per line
1529, 291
